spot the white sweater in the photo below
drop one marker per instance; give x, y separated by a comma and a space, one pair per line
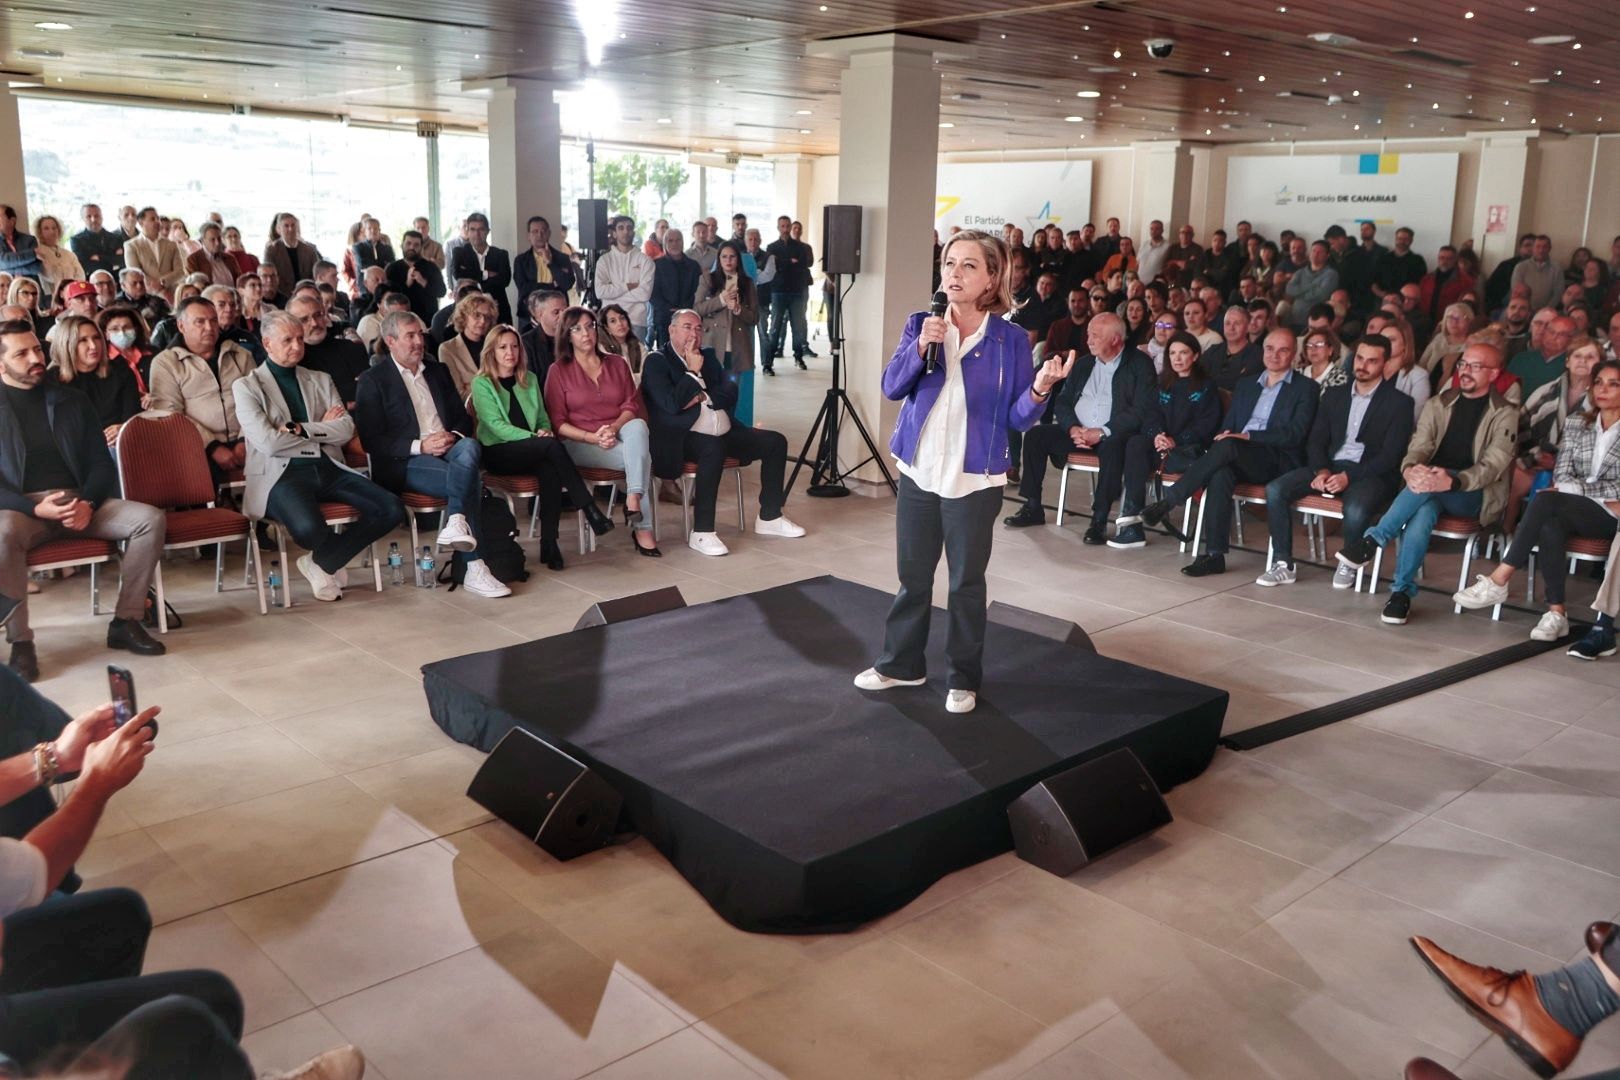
615, 269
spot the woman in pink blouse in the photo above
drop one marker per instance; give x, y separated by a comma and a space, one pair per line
593, 403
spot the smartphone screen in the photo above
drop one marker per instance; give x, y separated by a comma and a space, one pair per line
121, 684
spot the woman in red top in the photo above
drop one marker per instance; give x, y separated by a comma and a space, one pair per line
593, 403
246, 262
128, 343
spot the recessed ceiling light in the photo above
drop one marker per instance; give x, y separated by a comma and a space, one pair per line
801, 112
1262, 78
720, 150
1117, 54
1074, 119
823, 7
946, 124
804, 131
663, 119
1552, 39
1088, 93
53, 26
1468, 14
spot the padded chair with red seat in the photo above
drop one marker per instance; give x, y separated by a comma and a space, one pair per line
1588, 549
1451, 527
1080, 461
689, 481
161, 462
75, 551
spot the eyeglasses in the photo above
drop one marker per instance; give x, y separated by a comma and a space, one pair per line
1316, 344
1473, 365
1164, 326
1099, 298
583, 328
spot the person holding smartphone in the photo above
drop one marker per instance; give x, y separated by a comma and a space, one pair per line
57, 480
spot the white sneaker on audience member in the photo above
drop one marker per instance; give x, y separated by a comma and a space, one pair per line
344, 1063
961, 701
479, 581
1483, 593
707, 543
1344, 576
322, 584
342, 578
873, 679
777, 526
1280, 573
457, 534
1553, 625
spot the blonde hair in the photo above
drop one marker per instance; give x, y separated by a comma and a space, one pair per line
65, 346
467, 303
20, 282
486, 358
997, 299
1403, 329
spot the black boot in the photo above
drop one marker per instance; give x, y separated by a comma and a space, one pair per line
599, 522
1156, 515
551, 551
25, 661
130, 634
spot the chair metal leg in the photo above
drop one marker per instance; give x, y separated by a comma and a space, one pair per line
1530, 577
1467, 561
416, 546
286, 568
1378, 561
376, 567
685, 483
1186, 521
1063, 495
162, 608
95, 589
1237, 520
742, 522
219, 567
1198, 529
253, 567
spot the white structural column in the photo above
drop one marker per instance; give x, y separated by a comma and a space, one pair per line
1163, 188
525, 161
13, 190
888, 147
1504, 177
793, 173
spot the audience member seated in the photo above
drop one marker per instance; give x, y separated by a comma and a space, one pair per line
79, 360
516, 435
1235, 357
1353, 454
417, 277
78, 298
24, 293
1182, 418
156, 257
228, 308
1441, 356
689, 402
1543, 277
369, 328
413, 424
337, 357
106, 288
1543, 361
1456, 464
1067, 332
593, 403
621, 335
132, 292
1541, 424
1104, 402
1584, 502
1402, 369
1195, 317
210, 259
125, 334
540, 340
475, 316
440, 330
1166, 325
295, 424
57, 479
1262, 438
194, 379
1320, 359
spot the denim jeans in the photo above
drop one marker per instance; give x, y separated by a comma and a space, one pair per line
454, 477
787, 308
1411, 517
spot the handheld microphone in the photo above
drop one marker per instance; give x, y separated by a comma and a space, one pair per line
931, 354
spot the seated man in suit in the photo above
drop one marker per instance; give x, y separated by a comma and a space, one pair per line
57, 480
1353, 453
689, 401
420, 439
1104, 401
295, 424
1262, 438
546, 307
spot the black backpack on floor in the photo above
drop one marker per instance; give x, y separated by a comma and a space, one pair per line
497, 544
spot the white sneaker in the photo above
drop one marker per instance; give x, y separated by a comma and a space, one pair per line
707, 543
1483, 593
873, 679
1344, 576
777, 526
1280, 573
321, 583
961, 701
457, 534
344, 1063
480, 582
342, 577
1553, 625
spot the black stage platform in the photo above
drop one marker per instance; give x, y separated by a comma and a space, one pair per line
791, 800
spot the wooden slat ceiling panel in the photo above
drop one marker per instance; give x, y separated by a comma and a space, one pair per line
735, 74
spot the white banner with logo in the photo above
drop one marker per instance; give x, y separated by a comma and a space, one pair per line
986, 195
1309, 192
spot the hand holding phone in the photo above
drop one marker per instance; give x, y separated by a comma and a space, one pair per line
121, 685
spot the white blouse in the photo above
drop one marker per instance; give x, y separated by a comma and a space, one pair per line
942, 444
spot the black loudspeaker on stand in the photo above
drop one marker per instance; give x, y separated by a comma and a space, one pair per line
593, 239
547, 795
841, 254
1079, 815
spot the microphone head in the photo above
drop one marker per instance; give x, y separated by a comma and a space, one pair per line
941, 301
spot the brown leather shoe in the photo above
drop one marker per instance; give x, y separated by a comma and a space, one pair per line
1598, 936
1424, 1069
1506, 1003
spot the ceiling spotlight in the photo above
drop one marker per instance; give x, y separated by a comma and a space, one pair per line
1088, 93
801, 112
1552, 39
1576, 45
823, 7
804, 131
946, 124
53, 26
1117, 54
1074, 119
663, 120
1436, 105
1261, 78
1468, 14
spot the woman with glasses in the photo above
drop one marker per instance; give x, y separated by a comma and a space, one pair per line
1320, 358
475, 316
593, 403
1165, 326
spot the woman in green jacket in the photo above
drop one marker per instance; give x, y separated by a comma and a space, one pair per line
516, 435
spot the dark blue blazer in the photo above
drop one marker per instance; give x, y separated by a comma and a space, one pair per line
1385, 431
79, 438
386, 419
666, 387
1291, 415
1134, 387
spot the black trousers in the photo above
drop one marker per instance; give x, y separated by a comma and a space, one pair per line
1230, 462
925, 525
1141, 459
769, 448
547, 460
1552, 518
71, 977
1051, 442
296, 500
1363, 501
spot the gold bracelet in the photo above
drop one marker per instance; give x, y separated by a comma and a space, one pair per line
46, 764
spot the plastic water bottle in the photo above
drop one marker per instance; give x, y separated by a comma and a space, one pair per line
430, 571
274, 583
396, 565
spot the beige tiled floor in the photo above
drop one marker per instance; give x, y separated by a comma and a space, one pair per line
303, 828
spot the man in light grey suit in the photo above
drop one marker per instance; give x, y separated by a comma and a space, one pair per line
295, 426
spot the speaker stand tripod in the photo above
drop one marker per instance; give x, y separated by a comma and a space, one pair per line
826, 477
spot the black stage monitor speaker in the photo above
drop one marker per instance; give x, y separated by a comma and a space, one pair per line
593, 229
1075, 817
841, 238
1047, 626
626, 608
546, 795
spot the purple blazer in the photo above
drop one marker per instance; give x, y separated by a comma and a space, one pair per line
996, 377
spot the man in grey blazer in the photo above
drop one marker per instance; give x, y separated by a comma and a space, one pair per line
295, 426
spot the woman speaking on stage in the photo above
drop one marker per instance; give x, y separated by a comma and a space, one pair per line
950, 444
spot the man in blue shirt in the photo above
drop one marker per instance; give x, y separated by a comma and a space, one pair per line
1262, 438
19, 252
